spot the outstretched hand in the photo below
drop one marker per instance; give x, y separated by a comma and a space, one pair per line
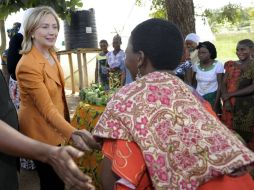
226, 96
83, 140
61, 159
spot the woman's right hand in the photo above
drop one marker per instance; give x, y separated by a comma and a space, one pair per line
62, 160
83, 140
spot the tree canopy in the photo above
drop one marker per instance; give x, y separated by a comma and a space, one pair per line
62, 7
230, 16
225, 17
158, 8
175, 11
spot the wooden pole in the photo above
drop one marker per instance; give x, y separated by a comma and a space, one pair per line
83, 75
71, 73
80, 71
85, 70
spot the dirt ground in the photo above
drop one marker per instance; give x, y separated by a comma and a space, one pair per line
29, 180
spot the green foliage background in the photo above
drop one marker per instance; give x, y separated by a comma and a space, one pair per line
62, 7
231, 17
226, 44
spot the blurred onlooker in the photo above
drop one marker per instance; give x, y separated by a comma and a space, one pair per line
115, 61
238, 92
13, 58
14, 30
183, 70
101, 70
119, 75
4, 65
10, 32
190, 57
191, 42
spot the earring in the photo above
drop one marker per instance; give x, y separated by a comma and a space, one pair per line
32, 36
138, 76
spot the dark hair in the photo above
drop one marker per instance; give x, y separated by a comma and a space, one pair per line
104, 41
14, 30
161, 42
249, 43
17, 25
211, 48
117, 36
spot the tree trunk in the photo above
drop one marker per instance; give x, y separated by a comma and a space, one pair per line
3, 36
181, 13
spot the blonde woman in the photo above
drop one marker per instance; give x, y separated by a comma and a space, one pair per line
43, 113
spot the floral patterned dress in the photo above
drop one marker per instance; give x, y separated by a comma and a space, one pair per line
182, 144
241, 117
116, 65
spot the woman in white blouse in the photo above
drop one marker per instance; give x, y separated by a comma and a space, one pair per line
208, 75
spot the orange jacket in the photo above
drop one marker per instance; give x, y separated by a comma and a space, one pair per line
43, 110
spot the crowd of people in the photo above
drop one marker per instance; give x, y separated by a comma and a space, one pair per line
227, 87
180, 119
111, 71
159, 133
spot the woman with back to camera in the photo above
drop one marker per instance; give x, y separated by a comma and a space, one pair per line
43, 113
156, 134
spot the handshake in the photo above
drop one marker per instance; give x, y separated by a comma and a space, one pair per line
84, 141
62, 160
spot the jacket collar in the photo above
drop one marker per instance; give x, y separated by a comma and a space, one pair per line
49, 69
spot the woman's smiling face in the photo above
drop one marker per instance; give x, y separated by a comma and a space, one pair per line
243, 52
46, 34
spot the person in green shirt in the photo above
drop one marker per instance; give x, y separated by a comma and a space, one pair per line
101, 71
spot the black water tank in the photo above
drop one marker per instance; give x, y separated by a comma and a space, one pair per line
81, 32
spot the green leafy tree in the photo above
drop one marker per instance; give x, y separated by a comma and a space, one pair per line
158, 8
62, 7
180, 12
159, 12
229, 16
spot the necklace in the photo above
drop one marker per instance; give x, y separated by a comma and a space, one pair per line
50, 59
206, 67
47, 57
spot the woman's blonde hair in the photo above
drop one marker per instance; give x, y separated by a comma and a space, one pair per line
32, 23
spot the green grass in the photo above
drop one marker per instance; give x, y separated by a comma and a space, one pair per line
226, 44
